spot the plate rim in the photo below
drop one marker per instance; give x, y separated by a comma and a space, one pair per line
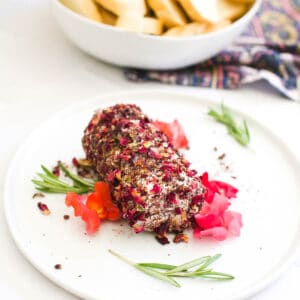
250, 291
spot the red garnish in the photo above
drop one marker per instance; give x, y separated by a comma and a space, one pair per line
89, 216
123, 141
43, 208
57, 266
226, 189
214, 220
75, 162
191, 173
94, 207
156, 189
171, 198
101, 202
137, 196
178, 210
138, 227
56, 171
214, 186
219, 233
174, 132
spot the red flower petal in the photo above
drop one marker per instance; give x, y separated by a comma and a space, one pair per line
213, 212
224, 188
219, 233
179, 138
174, 132
207, 221
215, 186
219, 205
101, 202
205, 209
197, 233
89, 216
233, 221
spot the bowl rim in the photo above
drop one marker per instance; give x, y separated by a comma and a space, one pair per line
248, 15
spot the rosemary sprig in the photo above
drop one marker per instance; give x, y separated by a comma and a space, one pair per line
239, 133
194, 268
49, 183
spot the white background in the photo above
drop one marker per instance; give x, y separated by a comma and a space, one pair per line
41, 72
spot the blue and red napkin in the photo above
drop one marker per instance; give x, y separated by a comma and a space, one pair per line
269, 49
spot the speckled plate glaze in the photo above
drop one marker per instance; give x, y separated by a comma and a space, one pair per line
266, 174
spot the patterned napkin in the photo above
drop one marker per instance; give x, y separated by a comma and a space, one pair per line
269, 49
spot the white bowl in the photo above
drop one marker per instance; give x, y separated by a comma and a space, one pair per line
129, 49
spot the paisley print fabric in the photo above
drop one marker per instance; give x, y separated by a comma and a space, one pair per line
269, 49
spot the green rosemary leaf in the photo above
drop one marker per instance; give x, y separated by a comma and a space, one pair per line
208, 262
209, 274
214, 275
188, 265
240, 134
50, 183
54, 181
227, 116
157, 275
48, 172
57, 189
157, 266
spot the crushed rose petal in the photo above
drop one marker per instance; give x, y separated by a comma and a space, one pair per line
123, 141
156, 188
75, 162
56, 171
43, 208
58, 267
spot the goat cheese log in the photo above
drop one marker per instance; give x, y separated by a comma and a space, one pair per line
150, 181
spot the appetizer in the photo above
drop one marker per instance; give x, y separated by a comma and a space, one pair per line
134, 170
150, 181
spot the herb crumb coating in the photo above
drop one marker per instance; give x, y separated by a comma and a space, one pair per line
151, 182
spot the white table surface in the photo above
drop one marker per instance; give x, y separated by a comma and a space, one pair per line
41, 72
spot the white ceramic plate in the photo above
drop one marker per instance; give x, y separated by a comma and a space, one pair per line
267, 176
